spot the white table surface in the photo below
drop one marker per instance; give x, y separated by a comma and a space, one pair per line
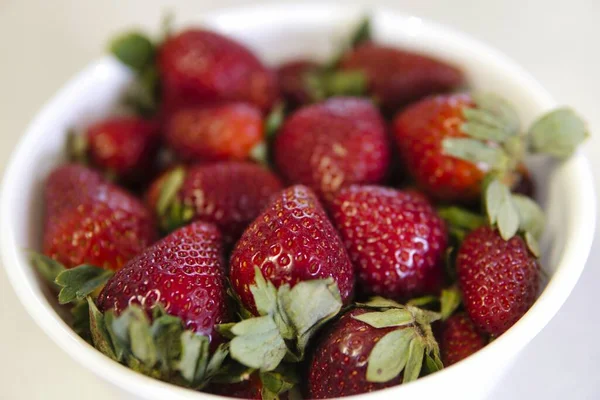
43, 43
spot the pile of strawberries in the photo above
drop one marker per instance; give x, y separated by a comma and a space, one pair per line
316, 230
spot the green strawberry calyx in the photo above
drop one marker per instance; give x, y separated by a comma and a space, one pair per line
448, 301
171, 211
159, 347
495, 140
288, 319
513, 213
404, 349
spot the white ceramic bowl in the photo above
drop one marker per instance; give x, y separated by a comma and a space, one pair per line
279, 32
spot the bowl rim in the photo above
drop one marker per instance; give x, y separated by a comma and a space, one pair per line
569, 268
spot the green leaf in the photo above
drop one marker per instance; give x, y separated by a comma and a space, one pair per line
225, 330
433, 363
380, 302
483, 132
258, 343
166, 331
194, 356
362, 33
503, 112
48, 267
390, 355
77, 283
264, 293
416, 351
450, 300
309, 305
423, 301
134, 50
508, 220
495, 195
532, 244
274, 120
461, 218
260, 153
119, 346
558, 133
81, 320
476, 152
387, 318
233, 372
531, 216
169, 190
216, 361
141, 341
324, 84
77, 147
279, 382
100, 336
143, 96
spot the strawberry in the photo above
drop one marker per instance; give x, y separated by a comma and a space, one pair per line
228, 194
201, 67
222, 132
367, 350
246, 389
395, 240
448, 143
398, 77
293, 81
291, 241
89, 220
333, 144
459, 339
123, 146
499, 279
184, 272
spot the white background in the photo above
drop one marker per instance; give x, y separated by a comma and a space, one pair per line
44, 42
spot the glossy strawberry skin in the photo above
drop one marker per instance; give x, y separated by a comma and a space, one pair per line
338, 365
459, 339
184, 272
88, 220
125, 146
395, 240
216, 133
333, 144
419, 131
398, 77
499, 279
228, 194
291, 241
292, 81
201, 67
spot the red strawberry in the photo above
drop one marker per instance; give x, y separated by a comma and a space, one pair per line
459, 339
248, 389
201, 67
333, 144
291, 241
184, 272
228, 194
499, 279
89, 220
420, 130
222, 132
292, 81
395, 239
124, 146
341, 364
397, 77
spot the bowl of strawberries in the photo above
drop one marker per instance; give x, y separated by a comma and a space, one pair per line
298, 202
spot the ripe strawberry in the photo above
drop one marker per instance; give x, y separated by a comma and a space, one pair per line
184, 272
222, 132
459, 339
398, 77
247, 389
201, 67
124, 146
291, 241
420, 130
89, 220
292, 81
395, 239
499, 279
228, 194
343, 362
333, 144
